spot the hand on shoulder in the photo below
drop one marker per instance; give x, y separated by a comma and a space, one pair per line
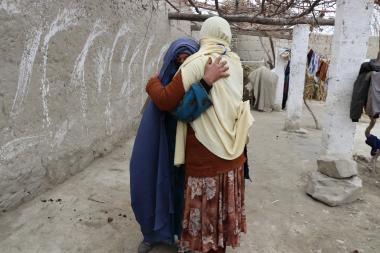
215, 70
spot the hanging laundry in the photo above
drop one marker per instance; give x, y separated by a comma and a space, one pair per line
314, 64
286, 86
309, 56
322, 70
368, 107
375, 94
311, 66
361, 89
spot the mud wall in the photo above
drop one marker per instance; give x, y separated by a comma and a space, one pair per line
250, 48
72, 78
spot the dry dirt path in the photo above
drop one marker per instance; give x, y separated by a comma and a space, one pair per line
91, 211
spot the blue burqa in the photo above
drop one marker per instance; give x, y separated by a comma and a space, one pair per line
151, 166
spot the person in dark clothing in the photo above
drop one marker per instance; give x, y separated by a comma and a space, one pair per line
286, 86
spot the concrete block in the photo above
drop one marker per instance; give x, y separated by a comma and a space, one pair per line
331, 191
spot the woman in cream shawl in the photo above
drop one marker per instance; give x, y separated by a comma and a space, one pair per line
211, 147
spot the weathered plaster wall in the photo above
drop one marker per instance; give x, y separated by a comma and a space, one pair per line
72, 78
251, 49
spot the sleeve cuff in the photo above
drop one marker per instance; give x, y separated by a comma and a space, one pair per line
205, 85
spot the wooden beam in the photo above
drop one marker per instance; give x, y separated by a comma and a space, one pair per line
175, 8
310, 9
255, 20
286, 34
257, 33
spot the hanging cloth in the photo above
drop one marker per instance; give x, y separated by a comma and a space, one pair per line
264, 84
375, 94
361, 89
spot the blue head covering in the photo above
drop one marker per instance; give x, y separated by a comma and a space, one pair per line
169, 66
150, 178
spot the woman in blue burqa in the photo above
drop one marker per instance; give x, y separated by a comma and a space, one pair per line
157, 186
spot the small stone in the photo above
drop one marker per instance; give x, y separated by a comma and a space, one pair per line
301, 131
51, 200
331, 191
337, 167
110, 219
125, 216
59, 200
43, 200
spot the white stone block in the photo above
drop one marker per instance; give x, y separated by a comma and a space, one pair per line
336, 167
333, 192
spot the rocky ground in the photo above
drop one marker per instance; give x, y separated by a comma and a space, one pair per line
91, 211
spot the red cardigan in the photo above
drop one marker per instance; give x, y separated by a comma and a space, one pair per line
199, 161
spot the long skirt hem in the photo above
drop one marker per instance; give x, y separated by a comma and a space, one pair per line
214, 212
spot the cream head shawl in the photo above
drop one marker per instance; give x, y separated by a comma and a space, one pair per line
223, 128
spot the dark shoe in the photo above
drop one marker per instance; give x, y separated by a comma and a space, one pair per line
144, 247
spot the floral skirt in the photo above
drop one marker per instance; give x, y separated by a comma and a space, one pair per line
214, 212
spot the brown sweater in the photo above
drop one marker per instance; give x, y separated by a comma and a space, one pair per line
199, 161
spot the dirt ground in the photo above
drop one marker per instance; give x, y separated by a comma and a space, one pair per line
91, 211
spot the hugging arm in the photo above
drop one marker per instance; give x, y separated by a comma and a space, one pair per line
187, 106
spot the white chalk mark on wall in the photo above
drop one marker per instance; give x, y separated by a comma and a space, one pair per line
26, 67
126, 89
60, 134
101, 61
162, 52
145, 74
124, 56
108, 112
64, 20
78, 75
17, 146
122, 31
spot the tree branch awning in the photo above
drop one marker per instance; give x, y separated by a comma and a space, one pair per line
256, 20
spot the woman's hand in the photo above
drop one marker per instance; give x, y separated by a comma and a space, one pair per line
215, 70
155, 75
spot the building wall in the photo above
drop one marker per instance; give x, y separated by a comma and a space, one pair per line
251, 49
72, 78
